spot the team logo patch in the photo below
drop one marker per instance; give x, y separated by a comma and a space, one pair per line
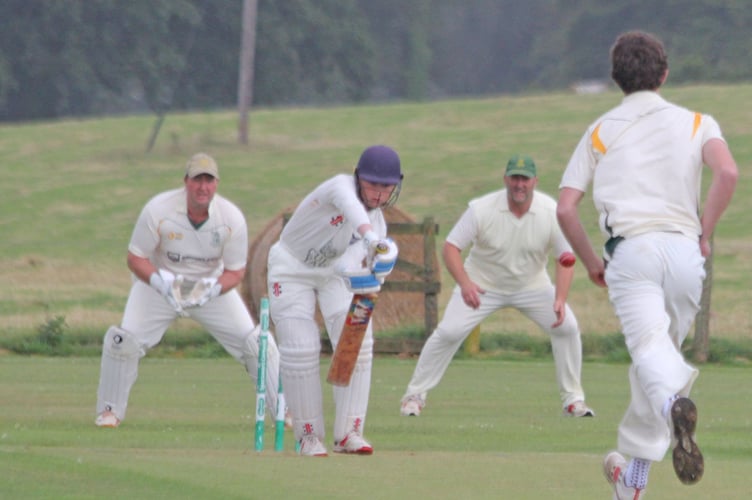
337, 221
276, 289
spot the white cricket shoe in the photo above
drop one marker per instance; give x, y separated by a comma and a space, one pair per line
353, 443
311, 446
412, 406
107, 419
578, 409
615, 467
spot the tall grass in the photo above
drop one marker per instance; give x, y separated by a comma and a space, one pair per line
73, 189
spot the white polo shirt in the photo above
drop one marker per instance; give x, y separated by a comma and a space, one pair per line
644, 158
326, 221
508, 254
164, 235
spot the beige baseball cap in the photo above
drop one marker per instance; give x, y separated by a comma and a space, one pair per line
201, 163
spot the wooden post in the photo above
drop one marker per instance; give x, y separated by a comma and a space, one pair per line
431, 301
701, 342
472, 342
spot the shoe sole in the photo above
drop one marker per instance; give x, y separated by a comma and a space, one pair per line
362, 451
689, 464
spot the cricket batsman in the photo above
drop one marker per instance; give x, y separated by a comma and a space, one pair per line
340, 217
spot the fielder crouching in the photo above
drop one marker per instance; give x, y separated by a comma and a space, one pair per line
188, 253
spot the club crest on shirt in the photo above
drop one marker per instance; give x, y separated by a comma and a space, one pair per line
337, 220
216, 239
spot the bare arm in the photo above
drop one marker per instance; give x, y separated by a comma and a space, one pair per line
141, 267
453, 261
564, 276
571, 226
718, 158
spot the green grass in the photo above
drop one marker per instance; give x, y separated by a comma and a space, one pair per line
74, 188
492, 429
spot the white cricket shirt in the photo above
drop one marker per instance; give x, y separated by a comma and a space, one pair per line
508, 254
325, 223
164, 235
644, 158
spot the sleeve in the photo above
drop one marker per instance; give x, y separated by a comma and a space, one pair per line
344, 196
581, 166
464, 231
710, 129
145, 236
235, 251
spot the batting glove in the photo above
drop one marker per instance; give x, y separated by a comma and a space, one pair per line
362, 282
385, 258
203, 291
168, 285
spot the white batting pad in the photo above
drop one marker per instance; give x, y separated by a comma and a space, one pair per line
300, 348
119, 370
351, 402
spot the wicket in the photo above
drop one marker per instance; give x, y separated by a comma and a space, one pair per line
279, 430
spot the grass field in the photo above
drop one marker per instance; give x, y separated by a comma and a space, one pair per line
73, 189
492, 429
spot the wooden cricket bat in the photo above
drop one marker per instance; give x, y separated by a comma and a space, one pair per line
351, 338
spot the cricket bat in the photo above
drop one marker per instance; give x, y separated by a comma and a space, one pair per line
351, 338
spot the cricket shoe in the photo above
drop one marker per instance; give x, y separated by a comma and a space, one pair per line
107, 419
578, 409
311, 446
353, 443
688, 462
412, 406
615, 468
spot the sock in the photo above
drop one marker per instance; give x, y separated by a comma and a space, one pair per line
637, 473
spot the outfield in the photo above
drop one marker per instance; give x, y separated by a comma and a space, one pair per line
492, 429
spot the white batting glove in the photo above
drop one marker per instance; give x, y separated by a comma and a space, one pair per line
385, 258
203, 291
362, 282
168, 285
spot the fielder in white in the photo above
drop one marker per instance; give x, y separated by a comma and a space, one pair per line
339, 222
645, 158
187, 254
512, 232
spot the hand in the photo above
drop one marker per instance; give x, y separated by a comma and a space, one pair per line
362, 282
471, 294
385, 258
168, 285
203, 291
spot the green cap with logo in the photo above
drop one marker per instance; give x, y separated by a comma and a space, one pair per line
521, 165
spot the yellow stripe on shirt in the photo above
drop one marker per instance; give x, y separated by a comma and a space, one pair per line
596, 140
698, 120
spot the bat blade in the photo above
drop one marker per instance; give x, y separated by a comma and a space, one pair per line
351, 338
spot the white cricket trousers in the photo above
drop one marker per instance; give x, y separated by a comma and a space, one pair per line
654, 284
459, 320
148, 315
294, 288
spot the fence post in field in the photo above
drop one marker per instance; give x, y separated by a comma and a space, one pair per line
701, 342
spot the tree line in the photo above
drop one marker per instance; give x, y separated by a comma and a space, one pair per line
93, 57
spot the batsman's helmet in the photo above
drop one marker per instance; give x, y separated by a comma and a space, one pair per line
381, 165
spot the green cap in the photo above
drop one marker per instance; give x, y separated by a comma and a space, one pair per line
521, 165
